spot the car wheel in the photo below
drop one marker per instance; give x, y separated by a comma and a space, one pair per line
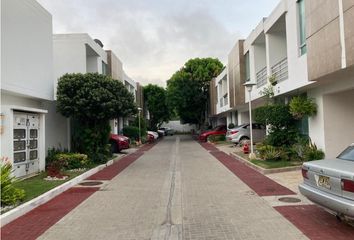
114, 147
244, 138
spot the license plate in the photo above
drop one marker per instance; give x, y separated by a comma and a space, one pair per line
323, 181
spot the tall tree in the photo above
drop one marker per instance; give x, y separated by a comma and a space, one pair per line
188, 88
156, 103
91, 100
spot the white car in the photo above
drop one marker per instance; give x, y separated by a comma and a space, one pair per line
330, 183
155, 134
242, 132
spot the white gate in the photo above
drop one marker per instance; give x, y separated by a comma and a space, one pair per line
25, 139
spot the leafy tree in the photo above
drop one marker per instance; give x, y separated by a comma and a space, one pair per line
155, 100
93, 97
91, 100
282, 125
188, 88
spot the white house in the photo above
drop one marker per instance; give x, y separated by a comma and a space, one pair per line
72, 53
308, 47
26, 83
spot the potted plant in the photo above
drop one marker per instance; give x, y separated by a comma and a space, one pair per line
273, 80
301, 106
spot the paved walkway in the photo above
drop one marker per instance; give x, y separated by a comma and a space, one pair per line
177, 190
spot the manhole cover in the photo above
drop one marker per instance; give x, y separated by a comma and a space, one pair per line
90, 183
289, 199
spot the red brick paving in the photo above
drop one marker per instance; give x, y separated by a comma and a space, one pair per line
259, 183
316, 223
208, 146
37, 221
113, 170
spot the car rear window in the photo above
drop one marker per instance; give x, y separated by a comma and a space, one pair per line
347, 154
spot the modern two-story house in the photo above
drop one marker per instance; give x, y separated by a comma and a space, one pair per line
306, 46
26, 83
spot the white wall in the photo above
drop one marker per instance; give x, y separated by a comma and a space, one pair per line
26, 49
57, 134
260, 57
72, 52
277, 47
334, 110
11, 103
243, 117
338, 121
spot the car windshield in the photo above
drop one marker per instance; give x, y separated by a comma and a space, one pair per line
347, 154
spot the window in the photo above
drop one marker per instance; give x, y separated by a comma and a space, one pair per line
247, 67
302, 30
104, 68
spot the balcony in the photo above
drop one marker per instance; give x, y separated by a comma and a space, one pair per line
280, 70
224, 100
261, 77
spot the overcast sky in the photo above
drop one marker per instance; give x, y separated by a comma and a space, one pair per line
154, 38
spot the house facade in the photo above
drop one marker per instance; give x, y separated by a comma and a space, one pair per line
26, 83
72, 53
307, 47
33, 59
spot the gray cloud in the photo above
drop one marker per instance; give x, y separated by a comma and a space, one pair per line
152, 38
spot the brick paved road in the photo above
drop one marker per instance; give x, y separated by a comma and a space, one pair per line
177, 190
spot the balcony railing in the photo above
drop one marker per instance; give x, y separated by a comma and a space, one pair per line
280, 70
262, 77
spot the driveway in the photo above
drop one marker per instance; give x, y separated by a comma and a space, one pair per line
177, 189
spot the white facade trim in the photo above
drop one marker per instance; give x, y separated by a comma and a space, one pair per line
342, 35
26, 109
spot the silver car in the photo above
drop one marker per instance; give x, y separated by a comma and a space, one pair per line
242, 132
330, 183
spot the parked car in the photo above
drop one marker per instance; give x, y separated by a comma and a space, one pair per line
242, 132
161, 132
330, 183
167, 131
150, 138
219, 130
118, 142
155, 134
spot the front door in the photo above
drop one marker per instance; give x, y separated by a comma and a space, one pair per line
25, 138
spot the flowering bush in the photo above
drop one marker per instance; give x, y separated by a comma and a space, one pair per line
9, 194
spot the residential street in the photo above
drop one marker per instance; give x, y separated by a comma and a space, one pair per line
176, 190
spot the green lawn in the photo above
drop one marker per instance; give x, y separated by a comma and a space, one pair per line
274, 164
36, 185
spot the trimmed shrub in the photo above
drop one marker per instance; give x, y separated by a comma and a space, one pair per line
313, 153
9, 194
72, 160
131, 132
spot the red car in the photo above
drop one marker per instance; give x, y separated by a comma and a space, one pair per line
118, 143
219, 130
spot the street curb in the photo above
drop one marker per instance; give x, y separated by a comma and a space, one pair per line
263, 170
47, 196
